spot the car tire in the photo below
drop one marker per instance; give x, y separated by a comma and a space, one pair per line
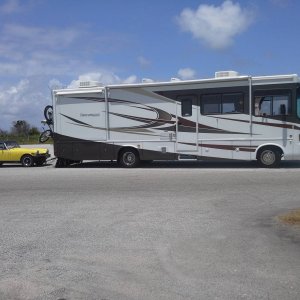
27, 161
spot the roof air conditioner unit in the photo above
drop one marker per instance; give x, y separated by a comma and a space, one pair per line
87, 84
224, 74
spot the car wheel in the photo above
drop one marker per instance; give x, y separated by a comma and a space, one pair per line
129, 158
269, 158
27, 161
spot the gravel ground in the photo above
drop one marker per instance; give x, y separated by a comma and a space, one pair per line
166, 231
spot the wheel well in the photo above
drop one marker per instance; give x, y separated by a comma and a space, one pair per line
123, 149
273, 147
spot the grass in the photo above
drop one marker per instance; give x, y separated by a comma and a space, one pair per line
24, 140
291, 218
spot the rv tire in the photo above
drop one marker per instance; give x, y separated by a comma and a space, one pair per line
129, 158
269, 157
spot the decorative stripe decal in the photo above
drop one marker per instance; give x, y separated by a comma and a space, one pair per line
288, 126
76, 121
224, 147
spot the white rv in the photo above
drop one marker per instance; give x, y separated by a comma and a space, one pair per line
226, 117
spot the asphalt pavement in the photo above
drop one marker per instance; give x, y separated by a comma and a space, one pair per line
163, 231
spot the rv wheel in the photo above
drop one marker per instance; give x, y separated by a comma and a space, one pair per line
269, 157
129, 158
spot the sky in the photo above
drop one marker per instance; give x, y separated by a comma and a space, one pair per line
46, 44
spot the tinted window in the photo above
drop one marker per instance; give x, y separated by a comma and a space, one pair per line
187, 102
272, 104
278, 103
186, 107
222, 103
211, 104
232, 103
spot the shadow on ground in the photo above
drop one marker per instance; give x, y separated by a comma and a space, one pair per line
187, 164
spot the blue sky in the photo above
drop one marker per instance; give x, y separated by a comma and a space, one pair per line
47, 43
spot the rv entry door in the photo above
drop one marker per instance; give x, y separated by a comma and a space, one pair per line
187, 120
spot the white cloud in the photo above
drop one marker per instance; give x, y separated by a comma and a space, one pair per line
129, 80
143, 62
186, 73
52, 38
31, 56
29, 51
216, 26
10, 7
24, 100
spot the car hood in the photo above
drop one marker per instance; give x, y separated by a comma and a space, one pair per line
33, 150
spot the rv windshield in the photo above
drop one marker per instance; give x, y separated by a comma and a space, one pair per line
298, 102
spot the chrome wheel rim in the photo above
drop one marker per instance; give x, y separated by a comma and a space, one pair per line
129, 158
268, 157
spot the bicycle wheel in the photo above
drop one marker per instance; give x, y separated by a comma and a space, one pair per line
48, 113
44, 137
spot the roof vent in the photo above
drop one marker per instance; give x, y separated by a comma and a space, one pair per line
224, 74
87, 84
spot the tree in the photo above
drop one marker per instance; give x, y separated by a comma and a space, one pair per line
21, 127
3, 133
34, 131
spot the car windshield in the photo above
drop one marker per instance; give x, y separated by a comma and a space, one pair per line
12, 144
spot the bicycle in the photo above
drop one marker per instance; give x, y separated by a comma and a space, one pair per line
48, 133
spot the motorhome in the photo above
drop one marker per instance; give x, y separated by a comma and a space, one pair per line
226, 117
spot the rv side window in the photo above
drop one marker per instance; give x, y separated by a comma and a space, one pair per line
272, 105
232, 103
298, 103
211, 104
222, 103
186, 107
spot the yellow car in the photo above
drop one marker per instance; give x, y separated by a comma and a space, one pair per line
11, 152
